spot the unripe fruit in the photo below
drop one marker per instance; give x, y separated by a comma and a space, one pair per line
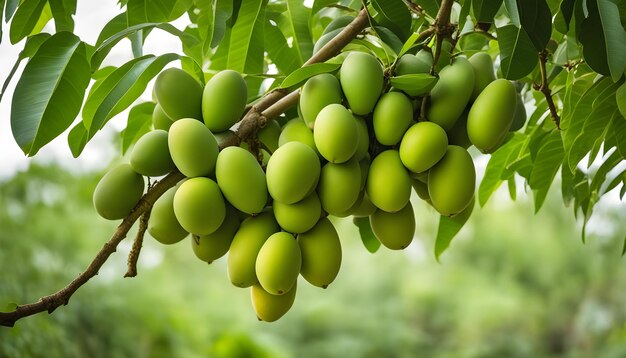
321, 254
178, 94
336, 134
519, 119
423, 145
151, 155
458, 134
394, 230
361, 77
193, 147
364, 139
393, 114
118, 192
292, 172
491, 115
325, 38
160, 120
199, 206
269, 135
451, 182
296, 131
318, 92
338, 23
163, 225
278, 263
241, 180
223, 100
213, 246
483, 72
388, 182
268, 307
245, 247
412, 64
365, 208
339, 186
298, 217
451, 93
421, 189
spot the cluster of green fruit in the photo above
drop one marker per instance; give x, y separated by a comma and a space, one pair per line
353, 150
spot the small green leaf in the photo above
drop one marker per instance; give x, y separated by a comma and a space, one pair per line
25, 19
32, 45
62, 12
620, 96
545, 167
77, 139
485, 10
495, 171
370, 241
518, 55
299, 76
389, 38
449, 227
394, 15
414, 84
138, 124
430, 6
140, 11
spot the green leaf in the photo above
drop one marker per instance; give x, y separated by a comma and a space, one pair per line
389, 38
299, 76
32, 45
62, 12
25, 19
599, 178
299, 22
564, 16
394, 15
449, 227
496, 168
77, 139
50, 92
370, 241
241, 43
141, 11
9, 10
430, 6
138, 124
278, 50
536, 20
620, 96
414, 84
2, 2
115, 25
618, 127
517, 53
485, 10
545, 167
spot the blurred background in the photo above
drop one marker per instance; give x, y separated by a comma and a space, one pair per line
512, 284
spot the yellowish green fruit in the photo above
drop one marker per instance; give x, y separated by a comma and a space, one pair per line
336, 134
118, 192
292, 172
193, 147
269, 135
423, 145
160, 120
491, 115
297, 131
421, 189
410, 64
298, 217
394, 230
388, 182
318, 92
483, 72
248, 240
365, 208
451, 93
163, 225
178, 94
151, 155
213, 246
393, 114
520, 115
241, 180
278, 263
364, 139
361, 77
199, 206
321, 254
451, 182
458, 134
223, 100
339, 186
268, 307
325, 38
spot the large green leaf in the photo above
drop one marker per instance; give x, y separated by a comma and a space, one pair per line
545, 167
394, 15
620, 96
536, 20
50, 92
370, 241
241, 45
449, 227
62, 12
485, 10
138, 124
430, 6
299, 76
496, 168
2, 3
30, 48
9, 10
518, 56
299, 22
142, 11
618, 128
278, 50
25, 19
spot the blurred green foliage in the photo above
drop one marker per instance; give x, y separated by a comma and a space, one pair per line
511, 285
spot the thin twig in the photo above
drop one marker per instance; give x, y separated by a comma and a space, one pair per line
133, 256
545, 89
442, 28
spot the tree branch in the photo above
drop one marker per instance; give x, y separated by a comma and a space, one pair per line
442, 27
545, 89
133, 256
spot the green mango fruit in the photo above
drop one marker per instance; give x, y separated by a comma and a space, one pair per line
269, 135
336, 134
483, 72
163, 225
268, 307
224, 100
394, 230
193, 147
118, 192
318, 92
421, 189
458, 134
393, 114
151, 155
491, 115
298, 217
422, 146
241, 180
364, 139
361, 77
178, 94
365, 207
213, 246
321, 254
451, 93
388, 183
199, 206
292, 172
451, 182
338, 23
339, 186
519, 119
410, 64
160, 120
297, 131
278, 263
248, 240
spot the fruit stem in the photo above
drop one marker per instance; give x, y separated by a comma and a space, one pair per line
133, 256
545, 89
